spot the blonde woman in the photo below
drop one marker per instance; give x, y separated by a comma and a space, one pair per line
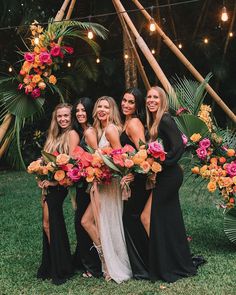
169, 254
110, 243
56, 257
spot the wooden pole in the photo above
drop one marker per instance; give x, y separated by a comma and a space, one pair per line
132, 46
188, 65
5, 125
144, 48
61, 12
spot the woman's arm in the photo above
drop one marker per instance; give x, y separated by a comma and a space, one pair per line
73, 141
90, 137
113, 136
135, 131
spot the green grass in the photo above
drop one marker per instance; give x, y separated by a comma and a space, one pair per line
20, 247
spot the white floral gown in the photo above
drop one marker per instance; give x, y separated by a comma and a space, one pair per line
111, 227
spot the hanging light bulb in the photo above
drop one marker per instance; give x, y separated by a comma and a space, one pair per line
126, 56
153, 51
231, 34
69, 64
152, 25
180, 46
98, 60
90, 34
36, 40
205, 40
224, 15
10, 69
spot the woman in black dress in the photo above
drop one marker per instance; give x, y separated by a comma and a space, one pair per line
133, 114
169, 254
85, 256
56, 257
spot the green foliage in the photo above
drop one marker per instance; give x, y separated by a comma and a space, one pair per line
21, 246
230, 224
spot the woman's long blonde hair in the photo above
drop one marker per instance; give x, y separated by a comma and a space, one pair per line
58, 139
153, 123
114, 116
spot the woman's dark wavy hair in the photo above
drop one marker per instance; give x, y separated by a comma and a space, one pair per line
140, 110
88, 105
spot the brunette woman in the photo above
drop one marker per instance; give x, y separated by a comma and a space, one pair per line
85, 257
56, 257
133, 114
169, 254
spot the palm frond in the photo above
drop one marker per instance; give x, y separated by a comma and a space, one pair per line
230, 225
87, 68
228, 136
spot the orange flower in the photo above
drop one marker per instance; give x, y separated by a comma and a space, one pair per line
129, 163
156, 167
62, 159
213, 160
34, 167
98, 172
196, 137
195, 170
36, 78
139, 157
211, 186
230, 152
66, 182
150, 161
59, 175
42, 85
145, 166
222, 160
52, 79
50, 166
234, 179
203, 169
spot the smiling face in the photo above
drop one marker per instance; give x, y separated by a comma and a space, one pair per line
81, 114
103, 110
128, 104
153, 100
63, 117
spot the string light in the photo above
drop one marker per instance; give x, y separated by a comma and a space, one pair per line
69, 64
180, 46
231, 34
153, 51
90, 35
126, 56
98, 60
224, 15
206, 40
152, 25
10, 69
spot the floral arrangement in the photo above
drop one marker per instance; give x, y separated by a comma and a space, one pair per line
217, 163
45, 55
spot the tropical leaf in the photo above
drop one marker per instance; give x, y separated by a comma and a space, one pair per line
228, 137
230, 224
108, 162
48, 157
189, 124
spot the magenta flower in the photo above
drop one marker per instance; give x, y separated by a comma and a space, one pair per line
231, 169
117, 152
35, 93
68, 49
55, 51
205, 143
156, 150
45, 57
185, 139
20, 86
201, 153
74, 174
28, 56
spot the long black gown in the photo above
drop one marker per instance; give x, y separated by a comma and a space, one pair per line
85, 257
56, 257
135, 234
169, 254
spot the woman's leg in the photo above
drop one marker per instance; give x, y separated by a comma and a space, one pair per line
146, 214
46, 226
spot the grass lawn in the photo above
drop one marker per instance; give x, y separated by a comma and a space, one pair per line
20, 247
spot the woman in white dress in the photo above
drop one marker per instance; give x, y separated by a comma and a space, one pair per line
111, 244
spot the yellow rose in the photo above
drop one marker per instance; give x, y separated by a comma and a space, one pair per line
62, 159
36, 78
139, 157
52, 79
59, 175
145, 166
156, 167
34, 167
196, 137
211, 186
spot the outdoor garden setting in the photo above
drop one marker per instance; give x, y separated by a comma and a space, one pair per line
57, 58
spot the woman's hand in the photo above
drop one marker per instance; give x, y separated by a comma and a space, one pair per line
128, 178
46, 183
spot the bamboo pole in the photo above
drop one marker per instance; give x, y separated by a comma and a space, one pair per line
136, 55
5, 125
144, 48
61, 12
188, 65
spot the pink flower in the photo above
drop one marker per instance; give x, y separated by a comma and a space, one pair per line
68, 49
181, 110
55, 51
205, 143
118, 160
201, 153
185, 139
74, 174
117, 152
45, 57
20, 86
156, 150
128, 149
28, 56
231, 169
35, 93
